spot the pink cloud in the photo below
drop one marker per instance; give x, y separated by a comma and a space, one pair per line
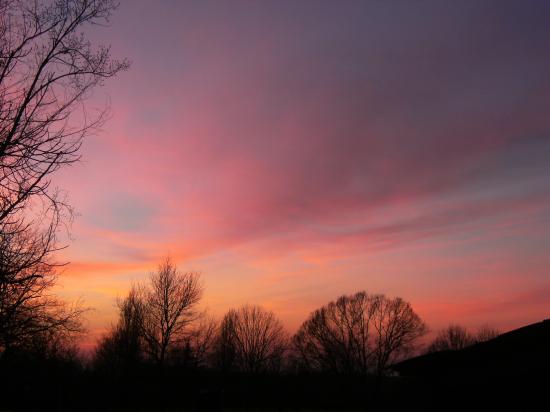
281, 154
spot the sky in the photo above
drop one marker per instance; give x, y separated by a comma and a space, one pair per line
292, 152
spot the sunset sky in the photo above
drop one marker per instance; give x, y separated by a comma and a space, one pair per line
295, 151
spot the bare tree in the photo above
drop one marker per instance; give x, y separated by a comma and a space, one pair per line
168, 306
486, 333
194, 350
122, 348
47, 70
337, 337
27, 309
357, 334
251, 340
396, 328
454, 337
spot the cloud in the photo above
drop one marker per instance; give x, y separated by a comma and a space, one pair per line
122, 212
311, 133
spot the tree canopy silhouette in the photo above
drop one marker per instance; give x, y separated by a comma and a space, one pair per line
357, 334
120, 350
251, 340
167, 307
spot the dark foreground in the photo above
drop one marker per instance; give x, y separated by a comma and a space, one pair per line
510, 370
68, 389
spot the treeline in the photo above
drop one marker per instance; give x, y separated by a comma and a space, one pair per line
159, 323
164, 352
359, 334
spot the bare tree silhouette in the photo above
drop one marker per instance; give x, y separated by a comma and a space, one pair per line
486, 333
27, 310
251, 340
167, 306
357, 334
122, 348
456, 337
194, 350
396, 329
47, 69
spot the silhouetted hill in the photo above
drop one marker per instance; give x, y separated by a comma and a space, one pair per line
514, 366
521, 351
